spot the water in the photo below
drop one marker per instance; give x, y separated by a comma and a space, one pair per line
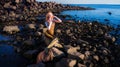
101, 13
4, 38
8, 57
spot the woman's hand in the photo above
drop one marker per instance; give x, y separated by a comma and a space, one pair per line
56, 19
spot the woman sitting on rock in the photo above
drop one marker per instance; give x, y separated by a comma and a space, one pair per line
50, 24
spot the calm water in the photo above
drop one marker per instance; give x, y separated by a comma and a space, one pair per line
101, 13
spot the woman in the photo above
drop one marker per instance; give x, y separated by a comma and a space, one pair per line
50, 24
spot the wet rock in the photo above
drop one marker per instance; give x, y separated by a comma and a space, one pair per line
11, 29
109, 13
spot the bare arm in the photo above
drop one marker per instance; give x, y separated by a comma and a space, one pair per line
56, 19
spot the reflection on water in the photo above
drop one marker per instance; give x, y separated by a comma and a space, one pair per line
8, 57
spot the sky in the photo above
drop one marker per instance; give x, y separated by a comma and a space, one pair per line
84, 1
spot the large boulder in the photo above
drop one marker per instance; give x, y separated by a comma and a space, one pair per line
11, 29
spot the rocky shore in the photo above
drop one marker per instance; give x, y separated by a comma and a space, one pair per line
86, 44
28, 10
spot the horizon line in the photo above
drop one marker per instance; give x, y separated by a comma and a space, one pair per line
82, 3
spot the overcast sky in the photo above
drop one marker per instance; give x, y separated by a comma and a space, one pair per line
85, 1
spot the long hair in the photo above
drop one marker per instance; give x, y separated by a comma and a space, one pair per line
49, 15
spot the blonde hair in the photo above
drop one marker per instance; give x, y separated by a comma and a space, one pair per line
48, 15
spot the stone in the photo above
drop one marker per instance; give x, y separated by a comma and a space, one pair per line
7, 5
100, 32
30, 26
57, 52
68, 31
44, 30
81, 65
30, 53
96, 57
29, 42
82, 56
72, 50
72, 63
62, 63
58, 31
87, 53
11, 29
17, 1
38, 33
66, 62
79, 41
41, 26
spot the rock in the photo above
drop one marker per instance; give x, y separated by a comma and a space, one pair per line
65, 62
100, 32
17, 1
29, 42
30, 26
87, 53
37, 65
81, 65
7, 5
62, 63
58, 31
38, 33
110, 38
57, 52
72, 63
68, 31
106, 60
82, 56
11, 29
44, 30
72, 50
79, 41
109, 13
41, 26
30, 53
12, 14
96, 57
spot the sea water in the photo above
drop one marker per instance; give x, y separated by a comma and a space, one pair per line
104, 13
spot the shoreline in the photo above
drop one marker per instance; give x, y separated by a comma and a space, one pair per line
86, 44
